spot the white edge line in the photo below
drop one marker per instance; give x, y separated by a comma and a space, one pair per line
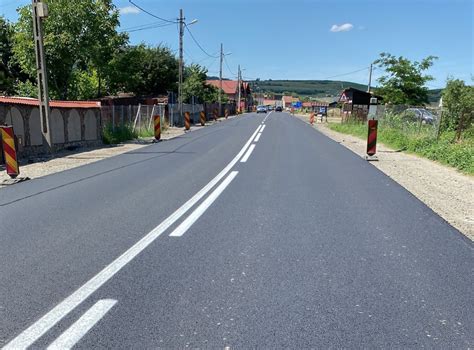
80, 328
257, 137
263, 128
247, 155
201, 209
45, 323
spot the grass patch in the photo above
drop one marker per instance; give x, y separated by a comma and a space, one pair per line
423, 142
112, 136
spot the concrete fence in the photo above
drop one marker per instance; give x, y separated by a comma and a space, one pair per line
71, 124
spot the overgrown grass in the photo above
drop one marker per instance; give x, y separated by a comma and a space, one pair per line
422, 142
112, 136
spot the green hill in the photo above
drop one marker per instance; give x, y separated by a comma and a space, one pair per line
315, 88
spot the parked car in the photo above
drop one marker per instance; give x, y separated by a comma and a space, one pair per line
278, 109
417, 114
261, 109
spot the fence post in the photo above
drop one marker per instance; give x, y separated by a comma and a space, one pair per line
113, 118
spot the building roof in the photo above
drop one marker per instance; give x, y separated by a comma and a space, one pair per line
54, 104
315, 104
269, 102
229, 86
289, 99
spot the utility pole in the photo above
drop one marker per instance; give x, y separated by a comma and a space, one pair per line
220, 80
181, 62
40, 11
370, 78
239, 82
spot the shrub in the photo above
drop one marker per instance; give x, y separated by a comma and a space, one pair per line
111, 136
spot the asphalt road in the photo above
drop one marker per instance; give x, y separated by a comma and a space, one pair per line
231, 236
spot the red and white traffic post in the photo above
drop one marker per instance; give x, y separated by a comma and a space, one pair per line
372, 131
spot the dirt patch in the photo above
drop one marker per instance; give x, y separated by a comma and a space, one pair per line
446, 191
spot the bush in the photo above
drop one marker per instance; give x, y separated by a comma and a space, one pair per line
111, 136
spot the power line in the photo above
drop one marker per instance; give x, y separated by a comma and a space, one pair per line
149, 13
341, 75
146, 27
228, 68
197, 43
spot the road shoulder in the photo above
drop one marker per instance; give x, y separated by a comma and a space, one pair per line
445, 190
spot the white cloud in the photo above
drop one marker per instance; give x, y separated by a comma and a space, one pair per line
342, 28
127, 10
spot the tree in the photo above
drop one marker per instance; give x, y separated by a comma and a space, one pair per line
405, 80
9, 71
195, 85
144, 70
80, 38
458, 101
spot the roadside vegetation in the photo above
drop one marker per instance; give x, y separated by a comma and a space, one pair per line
89, 58
121, 133
421, 142
448, 138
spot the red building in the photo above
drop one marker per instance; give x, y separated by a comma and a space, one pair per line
231, 89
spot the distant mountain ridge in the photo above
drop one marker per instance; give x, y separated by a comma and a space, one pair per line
315, 88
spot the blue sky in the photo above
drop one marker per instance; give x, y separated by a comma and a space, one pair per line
293, 39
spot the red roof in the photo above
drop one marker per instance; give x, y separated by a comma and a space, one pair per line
55, 104
289, 99
269, 102
315, 104
229, 86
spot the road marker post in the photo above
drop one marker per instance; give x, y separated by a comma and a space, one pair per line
203, 118
215, 113
226, 113
187, 121
372, 131
157, 123
9, 151
311, 118
372, 140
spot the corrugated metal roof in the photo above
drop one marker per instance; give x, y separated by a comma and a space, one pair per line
54, 104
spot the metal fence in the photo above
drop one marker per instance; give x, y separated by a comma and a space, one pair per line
140, 117
410, 120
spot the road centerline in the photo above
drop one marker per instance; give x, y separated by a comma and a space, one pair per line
247, 155
57, 313
201, 209
84, 324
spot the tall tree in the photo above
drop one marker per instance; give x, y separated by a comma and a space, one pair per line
195, 85
9, 71
404, 82
79, 36
144, 70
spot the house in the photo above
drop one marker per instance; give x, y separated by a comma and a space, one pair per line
231, 89
287, 101
355, 103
